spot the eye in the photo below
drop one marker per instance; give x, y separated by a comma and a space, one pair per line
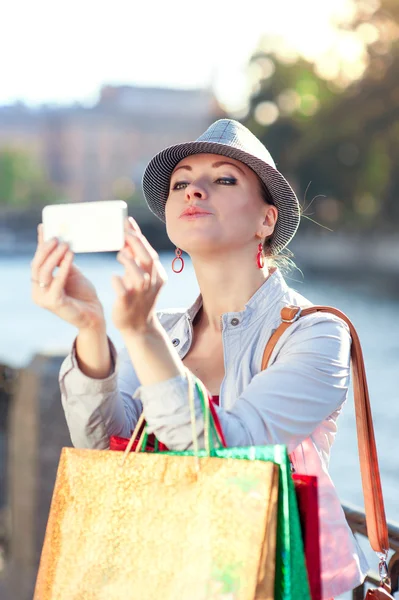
179, 185
227, 180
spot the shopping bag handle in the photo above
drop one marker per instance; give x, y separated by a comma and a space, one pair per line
371, 481
211, 430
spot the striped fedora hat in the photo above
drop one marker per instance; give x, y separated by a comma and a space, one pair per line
227, 138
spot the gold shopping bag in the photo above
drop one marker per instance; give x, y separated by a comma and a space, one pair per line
157, 528
160, 526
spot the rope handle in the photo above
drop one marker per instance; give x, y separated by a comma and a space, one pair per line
212, 432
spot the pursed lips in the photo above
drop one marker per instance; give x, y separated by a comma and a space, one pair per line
194, 213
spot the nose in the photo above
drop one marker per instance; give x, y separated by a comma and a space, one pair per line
195, 191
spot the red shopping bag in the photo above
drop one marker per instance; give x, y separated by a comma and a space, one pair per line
308, 505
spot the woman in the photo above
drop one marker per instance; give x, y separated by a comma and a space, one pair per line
227, 206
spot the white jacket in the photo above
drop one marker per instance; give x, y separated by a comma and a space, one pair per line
295, 401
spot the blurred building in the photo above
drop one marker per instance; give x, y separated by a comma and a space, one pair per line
100, 152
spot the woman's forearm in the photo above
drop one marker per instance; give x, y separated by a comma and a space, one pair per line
93, 353
153, 355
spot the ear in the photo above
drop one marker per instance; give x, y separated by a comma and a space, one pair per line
269, 221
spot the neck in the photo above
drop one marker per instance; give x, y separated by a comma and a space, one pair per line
226, 286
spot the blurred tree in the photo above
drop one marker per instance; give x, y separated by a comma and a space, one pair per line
335, 124
22, 182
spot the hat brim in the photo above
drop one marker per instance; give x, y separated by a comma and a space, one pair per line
156, 182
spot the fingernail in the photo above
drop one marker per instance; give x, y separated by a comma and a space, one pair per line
133, 223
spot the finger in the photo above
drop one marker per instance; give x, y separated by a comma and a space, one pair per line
59, 282
158, 275
146, 282
127, 250
40, 240
42, 253
133, 225
118, 286
154, 275
134, 275
151, 251
135, 286
45, 273
141, 248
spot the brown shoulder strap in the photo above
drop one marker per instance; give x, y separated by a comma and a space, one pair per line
371, 481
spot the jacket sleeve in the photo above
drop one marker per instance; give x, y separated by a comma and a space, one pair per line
306, 382
95, 409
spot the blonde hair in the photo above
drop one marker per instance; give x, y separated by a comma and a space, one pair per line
282, 260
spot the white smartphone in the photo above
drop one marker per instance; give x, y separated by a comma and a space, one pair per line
87, 226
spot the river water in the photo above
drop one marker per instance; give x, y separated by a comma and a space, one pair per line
25, 329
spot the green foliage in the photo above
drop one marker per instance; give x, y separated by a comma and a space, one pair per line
22, 181
343, 139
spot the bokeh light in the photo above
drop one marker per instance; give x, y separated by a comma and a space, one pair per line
266, 113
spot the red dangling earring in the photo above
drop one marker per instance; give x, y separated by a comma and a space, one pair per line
260, 260
178, 257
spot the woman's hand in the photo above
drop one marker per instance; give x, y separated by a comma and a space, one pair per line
68, 294
137, 290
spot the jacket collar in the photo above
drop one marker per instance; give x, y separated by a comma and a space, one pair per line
270, 292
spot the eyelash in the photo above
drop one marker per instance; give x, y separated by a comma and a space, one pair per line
231, 181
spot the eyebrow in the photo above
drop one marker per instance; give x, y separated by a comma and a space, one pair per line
219, 163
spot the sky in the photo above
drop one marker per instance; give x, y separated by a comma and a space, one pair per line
52, 51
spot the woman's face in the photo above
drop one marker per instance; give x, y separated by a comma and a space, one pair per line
229, 192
